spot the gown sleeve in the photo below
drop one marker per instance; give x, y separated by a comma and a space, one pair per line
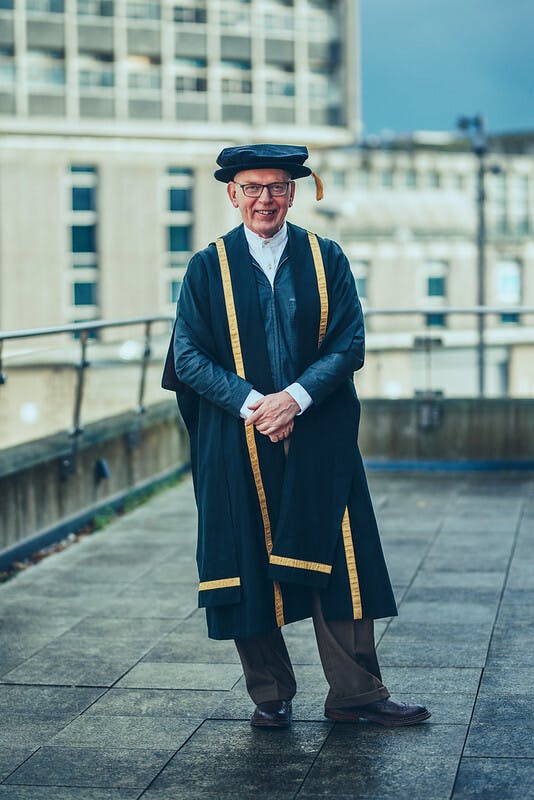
194, 346
343, 350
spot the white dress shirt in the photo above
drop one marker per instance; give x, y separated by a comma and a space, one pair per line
267, 253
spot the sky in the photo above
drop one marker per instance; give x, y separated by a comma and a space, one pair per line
426, 62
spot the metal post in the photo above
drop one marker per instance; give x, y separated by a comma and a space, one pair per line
480, 147
147, 352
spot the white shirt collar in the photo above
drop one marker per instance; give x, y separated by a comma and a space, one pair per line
256, 242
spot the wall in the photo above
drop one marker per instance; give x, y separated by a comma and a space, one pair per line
35, 498
36, 495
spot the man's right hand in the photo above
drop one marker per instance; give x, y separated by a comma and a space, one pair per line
274, 415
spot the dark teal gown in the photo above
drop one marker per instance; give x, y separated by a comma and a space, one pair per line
307, 492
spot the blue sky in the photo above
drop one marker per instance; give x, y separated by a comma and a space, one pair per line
425, 62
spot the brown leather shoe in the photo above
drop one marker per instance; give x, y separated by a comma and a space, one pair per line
390, 713
273, 714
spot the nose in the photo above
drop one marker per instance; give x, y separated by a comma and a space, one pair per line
265, 189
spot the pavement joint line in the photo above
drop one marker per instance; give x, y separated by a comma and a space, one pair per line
450, 506
308, 771
490, 639
170, 759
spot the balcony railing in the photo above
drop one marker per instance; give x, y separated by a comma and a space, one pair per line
423, 339
83, 332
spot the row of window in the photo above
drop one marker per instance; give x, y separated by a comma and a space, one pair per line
230, 15
507, 287
83, 188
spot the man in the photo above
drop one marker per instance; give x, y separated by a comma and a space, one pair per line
268, 335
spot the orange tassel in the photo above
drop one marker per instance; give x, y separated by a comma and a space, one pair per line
319, 190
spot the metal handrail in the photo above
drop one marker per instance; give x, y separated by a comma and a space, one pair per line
78, 327
474, 310
85, 328
68, 464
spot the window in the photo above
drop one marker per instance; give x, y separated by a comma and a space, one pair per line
179, 199
509, 318
433, 291
174, 291
83, 238
190, 83
82, 183
179, 171
46, 67
96, 8
83, 198
338, 178
46, 6
150, 10
7, 65
362, 177
96, 71
387, 177
280, 88
360, 270
411, 178
434, 179
235, 17
435, 320
144, 73
508, 287
85, 294
188, 14
179, 238
236, 85
436, 286
519, 204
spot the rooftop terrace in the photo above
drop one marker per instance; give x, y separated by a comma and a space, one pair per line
110, 689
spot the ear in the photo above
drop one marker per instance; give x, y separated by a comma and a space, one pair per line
291, 193
232, 191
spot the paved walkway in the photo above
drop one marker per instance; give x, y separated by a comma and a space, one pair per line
110, 690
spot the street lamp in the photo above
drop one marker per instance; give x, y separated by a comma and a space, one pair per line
476, 129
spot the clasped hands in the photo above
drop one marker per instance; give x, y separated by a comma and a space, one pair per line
274, 415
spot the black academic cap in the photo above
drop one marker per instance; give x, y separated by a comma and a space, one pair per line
289, 157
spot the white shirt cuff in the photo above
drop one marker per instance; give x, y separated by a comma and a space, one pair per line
300, 395
252, 397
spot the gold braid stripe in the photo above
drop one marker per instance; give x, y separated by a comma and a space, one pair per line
315, 566
351, 567
223, 583
249, 430
321, 284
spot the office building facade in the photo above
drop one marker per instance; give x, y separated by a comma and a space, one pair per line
111, 115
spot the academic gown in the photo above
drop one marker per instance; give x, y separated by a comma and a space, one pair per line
260, 554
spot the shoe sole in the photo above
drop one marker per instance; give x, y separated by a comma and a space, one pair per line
270, 724
339, 716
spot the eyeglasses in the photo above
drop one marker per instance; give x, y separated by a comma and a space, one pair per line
277, 189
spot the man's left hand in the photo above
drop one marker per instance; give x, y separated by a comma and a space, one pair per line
273, 415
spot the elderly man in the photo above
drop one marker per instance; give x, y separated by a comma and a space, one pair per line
268, 335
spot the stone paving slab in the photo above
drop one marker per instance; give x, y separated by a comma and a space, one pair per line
61, 793
92, 767
110, 689
254, 763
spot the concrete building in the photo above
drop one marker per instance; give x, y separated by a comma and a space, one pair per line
111, 115
406, 215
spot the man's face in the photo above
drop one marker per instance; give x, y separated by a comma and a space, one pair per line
264, 215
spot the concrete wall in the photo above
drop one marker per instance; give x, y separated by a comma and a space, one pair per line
35, 496
470, 429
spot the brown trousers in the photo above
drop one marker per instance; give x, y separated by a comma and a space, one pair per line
348, 656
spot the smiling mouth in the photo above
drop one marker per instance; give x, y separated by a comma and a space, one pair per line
266, 213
